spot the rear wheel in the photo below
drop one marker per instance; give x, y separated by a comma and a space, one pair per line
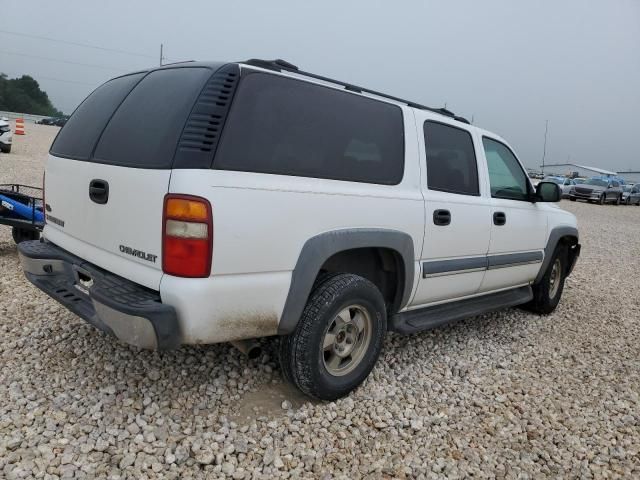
573, 199
338, 338
547, 293
22, 234
5, 148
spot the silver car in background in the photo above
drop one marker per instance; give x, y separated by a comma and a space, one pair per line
564, 183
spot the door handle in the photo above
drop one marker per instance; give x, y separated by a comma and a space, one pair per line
99, 191
441, 217
499, 218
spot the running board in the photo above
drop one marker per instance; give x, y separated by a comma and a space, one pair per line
427, 318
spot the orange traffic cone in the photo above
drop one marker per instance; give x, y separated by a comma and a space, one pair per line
19, 126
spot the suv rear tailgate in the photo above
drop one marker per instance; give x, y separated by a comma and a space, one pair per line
123, 235
109, 170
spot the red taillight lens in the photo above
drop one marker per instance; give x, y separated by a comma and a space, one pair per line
44, 202
187, 236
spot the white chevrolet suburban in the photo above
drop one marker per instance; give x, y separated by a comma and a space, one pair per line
218, 202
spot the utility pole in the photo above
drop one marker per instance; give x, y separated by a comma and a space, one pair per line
161, 55
544, 148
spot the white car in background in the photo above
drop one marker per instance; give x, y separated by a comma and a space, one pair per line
6, 136
565, 184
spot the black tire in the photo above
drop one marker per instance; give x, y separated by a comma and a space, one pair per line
602, 199
573, 199
302, 356
618, 200
22, 234
5, 148
628, 201
545, 300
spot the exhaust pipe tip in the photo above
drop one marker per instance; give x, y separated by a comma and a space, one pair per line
250, 348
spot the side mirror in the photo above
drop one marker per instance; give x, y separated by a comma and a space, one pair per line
548, 192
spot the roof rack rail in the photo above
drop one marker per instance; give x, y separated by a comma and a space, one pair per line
279, 65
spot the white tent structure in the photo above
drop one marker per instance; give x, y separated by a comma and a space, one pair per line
600, 171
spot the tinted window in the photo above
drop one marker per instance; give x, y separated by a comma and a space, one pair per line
451, 159
289, 127
615, 184
506, 176
78, 137
145, 129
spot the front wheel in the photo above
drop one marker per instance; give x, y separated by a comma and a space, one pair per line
618, 200
338, 338
547, 293
573, 199
5, 148
602, 199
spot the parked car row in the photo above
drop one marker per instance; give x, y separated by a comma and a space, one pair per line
55, 121
601, 191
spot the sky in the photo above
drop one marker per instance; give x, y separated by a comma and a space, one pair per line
509, 65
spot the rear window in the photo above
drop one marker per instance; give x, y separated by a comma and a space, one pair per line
284, 126
78, 137
144, 131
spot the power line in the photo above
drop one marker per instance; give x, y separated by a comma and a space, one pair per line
77, 44
63, 61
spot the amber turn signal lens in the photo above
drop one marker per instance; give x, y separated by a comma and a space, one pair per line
183, 209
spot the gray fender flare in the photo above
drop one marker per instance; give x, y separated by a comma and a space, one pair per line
320, 248
554, 237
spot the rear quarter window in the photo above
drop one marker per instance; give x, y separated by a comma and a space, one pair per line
283, 126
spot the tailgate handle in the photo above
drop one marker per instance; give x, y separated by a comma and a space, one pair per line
99, 191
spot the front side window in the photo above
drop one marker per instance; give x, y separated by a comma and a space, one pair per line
451, 159
283, 126
506, 177
615, 184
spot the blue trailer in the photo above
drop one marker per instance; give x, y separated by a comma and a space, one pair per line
22, 209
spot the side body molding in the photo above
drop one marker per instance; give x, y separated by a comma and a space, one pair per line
554, 237
320, 248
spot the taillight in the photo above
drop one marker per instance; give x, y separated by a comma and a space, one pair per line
44, 203
187, 236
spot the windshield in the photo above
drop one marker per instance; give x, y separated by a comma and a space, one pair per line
559, 181
597, 182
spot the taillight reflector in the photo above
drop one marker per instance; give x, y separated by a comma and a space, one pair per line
187, 236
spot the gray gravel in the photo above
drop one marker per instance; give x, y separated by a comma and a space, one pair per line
506, 395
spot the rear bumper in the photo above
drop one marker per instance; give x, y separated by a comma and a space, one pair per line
126, 310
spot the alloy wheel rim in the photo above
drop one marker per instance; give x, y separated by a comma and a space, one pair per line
554, 278
346, 340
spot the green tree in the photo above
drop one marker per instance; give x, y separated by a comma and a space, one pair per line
24, 95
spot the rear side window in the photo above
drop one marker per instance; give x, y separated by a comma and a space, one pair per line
145, 130
451, 159
284, 126
78, 137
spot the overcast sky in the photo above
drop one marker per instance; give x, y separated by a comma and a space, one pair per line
509, 65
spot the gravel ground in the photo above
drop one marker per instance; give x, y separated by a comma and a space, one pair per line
506, 395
